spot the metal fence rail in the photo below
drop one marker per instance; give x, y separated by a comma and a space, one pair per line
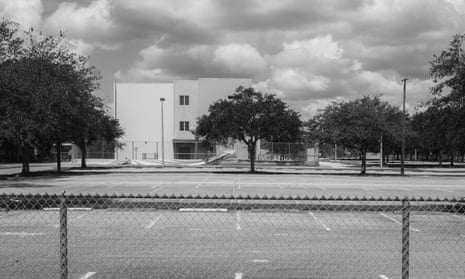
109, 236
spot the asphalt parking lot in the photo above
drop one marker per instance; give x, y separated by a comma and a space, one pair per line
237, 184
231, 244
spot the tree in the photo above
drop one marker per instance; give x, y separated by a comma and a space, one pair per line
359, 124
249, 116
447, 109
46, 93
96, 125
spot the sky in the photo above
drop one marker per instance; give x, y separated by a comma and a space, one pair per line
308, 52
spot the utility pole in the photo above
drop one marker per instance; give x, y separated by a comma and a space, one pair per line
402, 155
162, 100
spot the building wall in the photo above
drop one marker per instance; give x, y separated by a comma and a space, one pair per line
185, 112
138, 108
212, 89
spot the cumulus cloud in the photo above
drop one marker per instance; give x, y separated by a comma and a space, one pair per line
28, 13
239, 59
81, 22
308, 56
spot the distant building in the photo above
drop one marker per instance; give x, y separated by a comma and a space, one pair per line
138, 108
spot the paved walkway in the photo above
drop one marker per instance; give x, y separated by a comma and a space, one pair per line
326, 167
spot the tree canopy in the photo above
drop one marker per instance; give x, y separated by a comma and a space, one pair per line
46, 92
359, 124
249, 116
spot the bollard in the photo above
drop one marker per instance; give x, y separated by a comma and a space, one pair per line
63, 238
405, 238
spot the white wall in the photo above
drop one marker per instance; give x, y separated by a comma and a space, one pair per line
138, 109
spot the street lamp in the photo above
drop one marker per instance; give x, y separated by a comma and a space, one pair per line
402, 155
162, 100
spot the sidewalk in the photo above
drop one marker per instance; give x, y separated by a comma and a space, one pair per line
325, 168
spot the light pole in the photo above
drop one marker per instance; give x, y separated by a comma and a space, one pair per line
402, 155
162, 100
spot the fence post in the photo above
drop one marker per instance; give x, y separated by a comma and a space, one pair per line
405, 237
63, 238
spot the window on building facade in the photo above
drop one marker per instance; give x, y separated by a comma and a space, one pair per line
184, 100
183, 125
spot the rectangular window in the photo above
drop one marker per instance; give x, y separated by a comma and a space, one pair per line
183, 100
183, 125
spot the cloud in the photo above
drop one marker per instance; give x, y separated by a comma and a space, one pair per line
81, 22
87, 28
240, 59
28, 13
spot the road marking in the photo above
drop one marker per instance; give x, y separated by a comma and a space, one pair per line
397, 222
319, 221
203, 210
238, 275
80, 216
460, 217
21, 234
322, 188
444, 190
69, 209
404, 189
259, 261
88, 275
383, 277
149, 226
157, 188
238, 220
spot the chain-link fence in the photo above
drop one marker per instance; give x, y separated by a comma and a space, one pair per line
77, 236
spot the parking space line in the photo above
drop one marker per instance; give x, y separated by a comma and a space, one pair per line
445, 190
397, 222
460, 217
383, 277
238, 220
319, 221
88, 275
259, 261
149, 226
238, 275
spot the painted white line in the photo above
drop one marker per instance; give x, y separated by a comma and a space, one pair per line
157, 188
149, 226
21, 234
383, 277
391, 218
88, 275
79, 216
404, 189
203, 210
256, 252
69, 209
259, 261
445, 190
322, 188
319, 221
238, 275
398, 222
460, 217
284, 234
238, 220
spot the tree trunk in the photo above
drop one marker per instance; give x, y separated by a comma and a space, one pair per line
251, 147
440, 159
451, 157
364, 163
83, 148
58, 155
25, 159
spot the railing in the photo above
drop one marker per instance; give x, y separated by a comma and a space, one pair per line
109, 236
